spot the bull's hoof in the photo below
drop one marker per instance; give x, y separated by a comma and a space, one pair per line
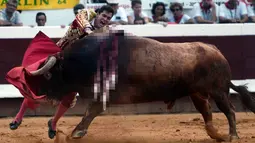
14, 125
78, 134
51, 132
222, 140
228, 139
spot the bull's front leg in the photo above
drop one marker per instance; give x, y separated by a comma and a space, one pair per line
93, 110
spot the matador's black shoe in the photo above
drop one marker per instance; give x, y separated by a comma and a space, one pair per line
51, 132
14, 125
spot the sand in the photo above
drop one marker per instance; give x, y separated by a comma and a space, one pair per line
171, 128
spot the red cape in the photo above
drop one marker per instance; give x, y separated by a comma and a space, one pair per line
36, 54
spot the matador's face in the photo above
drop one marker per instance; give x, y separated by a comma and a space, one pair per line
103, 19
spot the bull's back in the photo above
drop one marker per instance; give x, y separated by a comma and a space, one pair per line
199, 55
149, 57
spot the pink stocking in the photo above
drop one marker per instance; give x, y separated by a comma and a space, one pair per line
60, 112
22, 111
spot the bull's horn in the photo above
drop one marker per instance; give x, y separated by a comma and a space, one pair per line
50, 63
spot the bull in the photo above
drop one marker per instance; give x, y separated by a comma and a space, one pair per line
148, 70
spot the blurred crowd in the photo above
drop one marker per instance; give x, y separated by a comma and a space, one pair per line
206, 11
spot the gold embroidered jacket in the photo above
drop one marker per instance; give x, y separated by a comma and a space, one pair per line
80, 27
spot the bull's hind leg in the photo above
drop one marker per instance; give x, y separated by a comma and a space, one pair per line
93, 110
223, 103
202, 104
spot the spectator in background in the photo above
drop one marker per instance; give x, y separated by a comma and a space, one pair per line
158, 11
233, 11
99, 1
120, 16
136, 5
9, 16
250, 10
41, 19
77, 7
97, 10
139, 21
178, 16
205, 12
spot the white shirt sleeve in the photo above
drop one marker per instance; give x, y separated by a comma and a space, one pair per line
196, 10
243, 8
1, 15
144, 14
185, 18
217, 10
131, 13
123, 14
250, 11
18, 19
222, 9
150, 17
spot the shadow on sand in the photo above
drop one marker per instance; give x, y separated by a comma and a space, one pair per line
62, 137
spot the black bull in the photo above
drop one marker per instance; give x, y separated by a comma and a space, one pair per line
149, 71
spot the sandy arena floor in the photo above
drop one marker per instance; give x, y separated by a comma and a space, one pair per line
178, 128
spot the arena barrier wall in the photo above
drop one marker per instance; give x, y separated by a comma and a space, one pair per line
236, 41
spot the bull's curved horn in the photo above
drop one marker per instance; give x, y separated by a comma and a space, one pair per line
50, 63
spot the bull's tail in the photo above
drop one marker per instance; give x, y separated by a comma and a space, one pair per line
245, 96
